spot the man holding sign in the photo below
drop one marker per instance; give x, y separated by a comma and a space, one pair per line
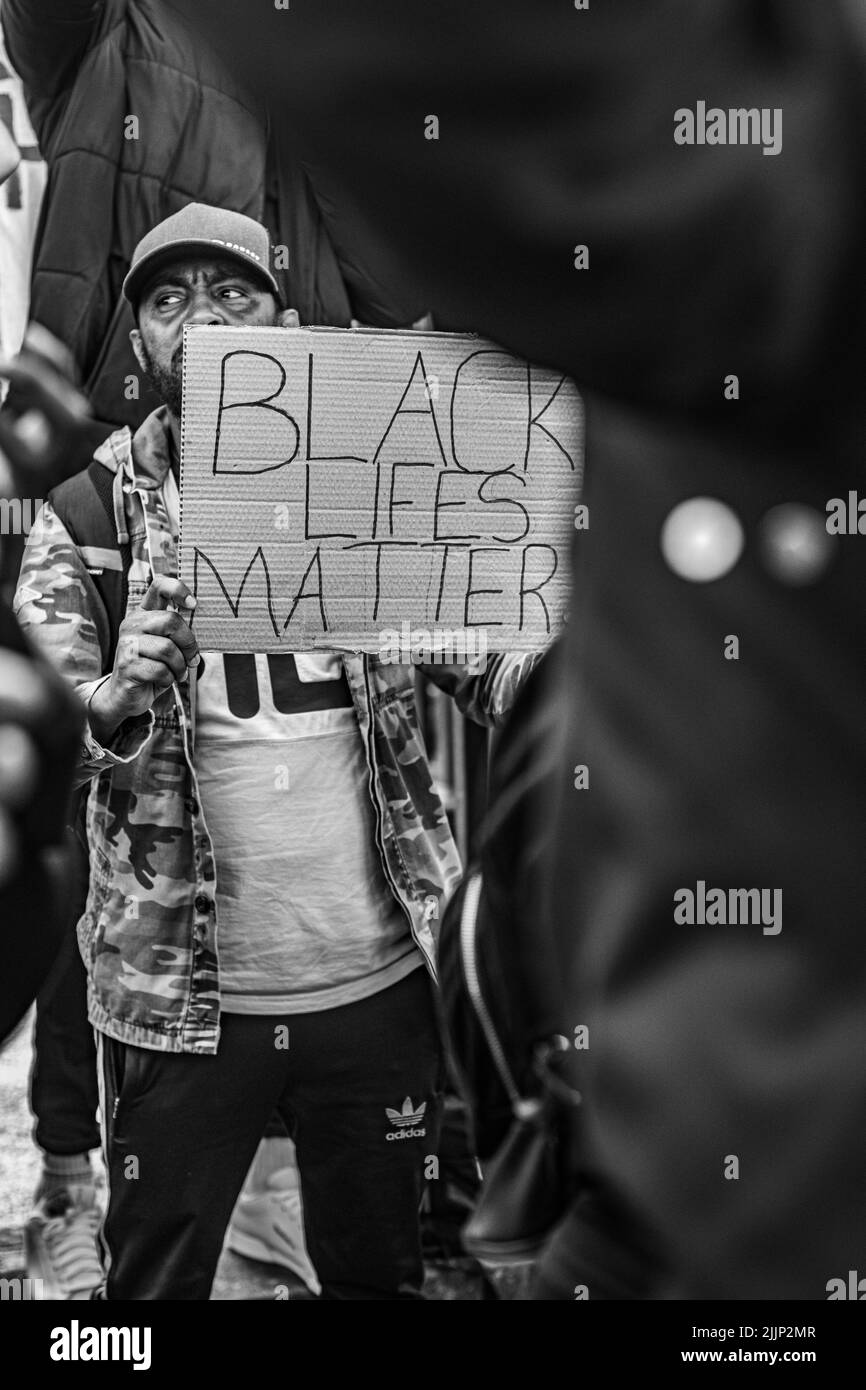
268, 855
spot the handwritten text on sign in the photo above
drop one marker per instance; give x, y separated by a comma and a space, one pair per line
335, 483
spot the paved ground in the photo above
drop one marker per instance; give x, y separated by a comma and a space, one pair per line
236, 1278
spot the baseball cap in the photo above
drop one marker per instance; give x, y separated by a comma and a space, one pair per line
199, 227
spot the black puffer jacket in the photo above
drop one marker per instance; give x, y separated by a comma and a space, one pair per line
89, 67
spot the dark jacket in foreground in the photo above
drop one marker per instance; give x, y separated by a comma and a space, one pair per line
32, 896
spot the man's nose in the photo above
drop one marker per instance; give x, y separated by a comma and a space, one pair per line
205, 310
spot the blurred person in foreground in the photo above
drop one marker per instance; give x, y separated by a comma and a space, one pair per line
39, 728
706, 294
40, 720
223, 915
39, 731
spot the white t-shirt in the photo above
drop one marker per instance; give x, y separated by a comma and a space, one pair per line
305, 917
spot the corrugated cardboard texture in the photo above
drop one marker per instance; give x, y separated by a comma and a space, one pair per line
337, 484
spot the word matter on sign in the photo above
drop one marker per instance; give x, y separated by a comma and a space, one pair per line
338, 482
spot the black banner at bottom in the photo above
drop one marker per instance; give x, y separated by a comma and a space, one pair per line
56, 1341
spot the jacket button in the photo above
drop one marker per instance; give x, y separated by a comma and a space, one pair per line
202, 904
192, 805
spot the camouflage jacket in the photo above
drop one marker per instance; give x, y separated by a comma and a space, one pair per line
149, 933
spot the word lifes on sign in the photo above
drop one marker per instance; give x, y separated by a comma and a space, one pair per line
336, 483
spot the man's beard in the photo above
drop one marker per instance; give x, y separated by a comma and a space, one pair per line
167, 382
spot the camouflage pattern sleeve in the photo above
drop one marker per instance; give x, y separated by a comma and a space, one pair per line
55, 603
484, 695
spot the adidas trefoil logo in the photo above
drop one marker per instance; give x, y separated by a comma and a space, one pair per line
406, 1115
406, 1121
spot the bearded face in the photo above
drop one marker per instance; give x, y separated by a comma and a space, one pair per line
200, 290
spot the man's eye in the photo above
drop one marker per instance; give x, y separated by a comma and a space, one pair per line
232, 292
168, 300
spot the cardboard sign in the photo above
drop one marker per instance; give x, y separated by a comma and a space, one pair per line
340, 484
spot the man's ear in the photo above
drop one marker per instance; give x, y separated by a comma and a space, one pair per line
288, 318
135, 339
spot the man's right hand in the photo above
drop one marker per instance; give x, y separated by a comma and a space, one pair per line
155, 648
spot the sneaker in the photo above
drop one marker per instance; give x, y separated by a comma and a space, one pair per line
60, 1243
267, 1225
